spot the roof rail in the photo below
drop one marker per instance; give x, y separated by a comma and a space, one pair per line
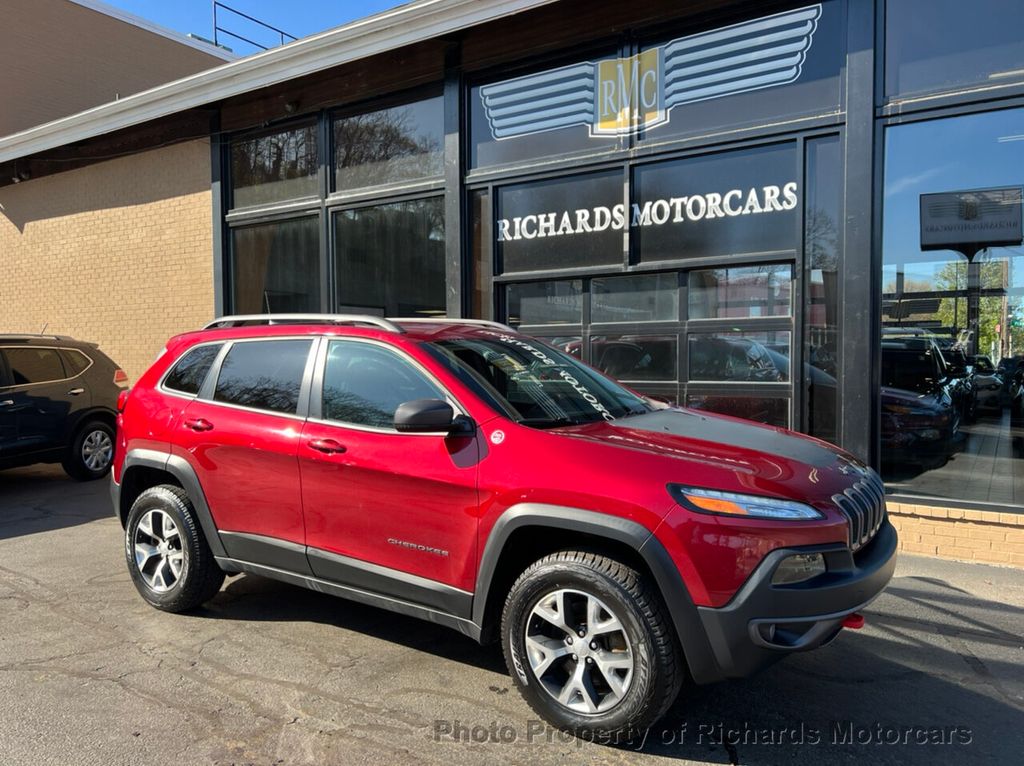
480, 322
241, 320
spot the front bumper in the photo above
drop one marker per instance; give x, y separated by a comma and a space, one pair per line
763, 622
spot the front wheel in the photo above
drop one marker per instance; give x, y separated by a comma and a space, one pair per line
589, 646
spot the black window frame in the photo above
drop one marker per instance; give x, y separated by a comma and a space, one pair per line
207, 392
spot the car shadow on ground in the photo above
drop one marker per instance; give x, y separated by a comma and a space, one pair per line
42, 498
866, 696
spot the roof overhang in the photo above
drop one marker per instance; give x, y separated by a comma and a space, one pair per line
390, 30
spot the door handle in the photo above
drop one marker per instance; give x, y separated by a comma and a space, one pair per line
7, 403
76, 391
199, 424
327, 446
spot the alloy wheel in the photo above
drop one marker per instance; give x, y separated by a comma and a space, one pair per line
97, 450
158, 551
578, 651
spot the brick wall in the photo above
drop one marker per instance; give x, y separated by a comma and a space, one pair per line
993, 537
119, 253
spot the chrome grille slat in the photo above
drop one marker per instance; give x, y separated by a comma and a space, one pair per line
863, 504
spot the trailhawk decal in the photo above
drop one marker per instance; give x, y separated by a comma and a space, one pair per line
564, 374
621, 96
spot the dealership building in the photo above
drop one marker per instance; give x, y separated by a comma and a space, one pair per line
725, 204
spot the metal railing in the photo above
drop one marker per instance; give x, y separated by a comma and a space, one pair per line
218, 28
391, 324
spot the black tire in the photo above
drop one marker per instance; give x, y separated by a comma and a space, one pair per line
74, 462
198, 578
657, 664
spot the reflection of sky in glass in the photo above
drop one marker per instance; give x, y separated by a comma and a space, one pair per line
961, 153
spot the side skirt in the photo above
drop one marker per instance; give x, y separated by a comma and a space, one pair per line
464, 626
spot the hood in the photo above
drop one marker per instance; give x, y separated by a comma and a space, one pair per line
725, 453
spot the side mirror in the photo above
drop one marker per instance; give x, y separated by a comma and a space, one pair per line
427, 416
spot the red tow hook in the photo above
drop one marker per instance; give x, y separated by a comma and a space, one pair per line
854, 621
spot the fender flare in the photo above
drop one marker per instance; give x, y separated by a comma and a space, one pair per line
683, 612
180, 469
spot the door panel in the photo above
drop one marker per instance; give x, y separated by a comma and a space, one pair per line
241, 436
407, 502
40, 400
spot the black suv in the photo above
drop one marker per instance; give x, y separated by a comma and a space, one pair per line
58, 404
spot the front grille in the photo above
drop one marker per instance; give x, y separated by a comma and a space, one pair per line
863, 504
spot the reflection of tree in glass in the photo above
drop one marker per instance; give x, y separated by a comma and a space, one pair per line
265, 393
347, 407
822, 240
388, 144
277, 157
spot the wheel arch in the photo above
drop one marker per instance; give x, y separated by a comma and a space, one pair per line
148, 468
514, 543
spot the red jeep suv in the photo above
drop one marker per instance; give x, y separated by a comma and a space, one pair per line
460, 472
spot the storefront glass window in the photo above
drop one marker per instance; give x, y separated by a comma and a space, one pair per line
635, 357
952, 427
275, 267
945, 44
743, 291
639, 298
761, 357
390, 259
545, 303
773, 410
776, 66
719, 204
276, 166
561, 223
823, 253
402, 143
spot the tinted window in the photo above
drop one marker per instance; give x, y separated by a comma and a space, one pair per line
542, 303
946, 43
720, 204
910, 370
264, 374
274, 166
562, 222
390, 259
402, 143
190, 371
750, 356
364, 384
75, 361
641, 298
34, 365
277, 267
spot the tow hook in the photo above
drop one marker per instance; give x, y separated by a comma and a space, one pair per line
854, 621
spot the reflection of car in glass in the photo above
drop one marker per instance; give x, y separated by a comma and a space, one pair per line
987, 383
1007, 367
716, 358
920, 421
959, 367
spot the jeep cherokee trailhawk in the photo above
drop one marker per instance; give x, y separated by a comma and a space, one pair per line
460, 472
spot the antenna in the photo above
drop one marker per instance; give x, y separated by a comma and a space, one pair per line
45, 325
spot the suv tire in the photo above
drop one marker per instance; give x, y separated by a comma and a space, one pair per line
91, 452
169, 559
628, 667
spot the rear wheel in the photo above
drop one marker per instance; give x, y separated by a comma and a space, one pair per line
589, 646
91, 452
169, 559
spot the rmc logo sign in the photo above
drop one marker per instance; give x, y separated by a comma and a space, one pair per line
620, 96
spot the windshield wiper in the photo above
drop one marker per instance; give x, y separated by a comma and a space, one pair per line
551, 422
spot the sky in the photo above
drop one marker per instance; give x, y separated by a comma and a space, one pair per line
296, 17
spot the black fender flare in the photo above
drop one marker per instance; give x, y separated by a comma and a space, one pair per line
685, 618
180, 469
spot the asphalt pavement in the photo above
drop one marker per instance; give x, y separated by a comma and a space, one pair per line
269, 673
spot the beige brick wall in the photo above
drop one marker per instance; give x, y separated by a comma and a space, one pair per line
993, 537
119, 253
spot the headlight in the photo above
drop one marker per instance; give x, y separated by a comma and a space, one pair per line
732, 504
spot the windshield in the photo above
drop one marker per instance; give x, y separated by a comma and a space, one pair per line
909, 370
534, 383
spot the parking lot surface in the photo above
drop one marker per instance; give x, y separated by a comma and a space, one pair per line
273, 674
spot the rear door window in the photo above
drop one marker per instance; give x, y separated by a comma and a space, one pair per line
75, 362
190, 372
34, 365
263, 374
